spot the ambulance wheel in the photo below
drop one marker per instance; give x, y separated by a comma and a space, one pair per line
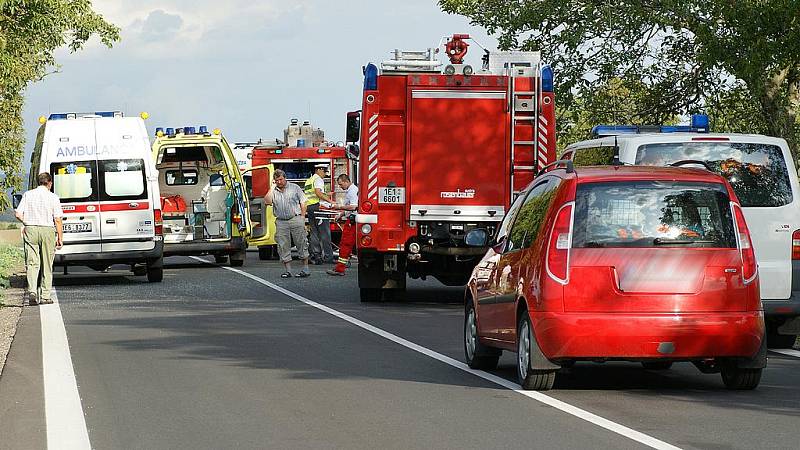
220, 259
237, 259
155, 274
370, 295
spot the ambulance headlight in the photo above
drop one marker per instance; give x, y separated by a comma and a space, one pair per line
366, 228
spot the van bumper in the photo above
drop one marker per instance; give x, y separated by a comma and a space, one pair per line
125, 257
234, 245
782, 307
645, 336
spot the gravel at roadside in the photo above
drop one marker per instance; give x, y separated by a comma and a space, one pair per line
9, 316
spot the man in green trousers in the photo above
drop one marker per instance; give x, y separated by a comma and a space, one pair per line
40, 211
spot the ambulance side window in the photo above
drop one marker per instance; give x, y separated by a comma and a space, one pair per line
122, 179
75, 181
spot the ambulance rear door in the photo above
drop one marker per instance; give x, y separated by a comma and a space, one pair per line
127, 198
68, 153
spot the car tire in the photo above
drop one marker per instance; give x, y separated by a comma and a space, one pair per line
657, 365
477, 355
775, 340
220, 259
739, 379
155, 274
370, 295
530, 379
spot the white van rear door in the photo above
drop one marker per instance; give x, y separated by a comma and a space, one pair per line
126, 202
69, 155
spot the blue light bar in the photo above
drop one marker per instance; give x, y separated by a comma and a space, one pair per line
370, 77
203, 129
547, 78
170, 131
161, 129
178, 130
700, 122
612, 130
59, 116
108, 113
188, 130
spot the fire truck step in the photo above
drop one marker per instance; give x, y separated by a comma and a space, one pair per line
524, 117
524, 142
525, 168
524, 93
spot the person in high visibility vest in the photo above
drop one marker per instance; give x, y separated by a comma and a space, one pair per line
348, 216
320, 241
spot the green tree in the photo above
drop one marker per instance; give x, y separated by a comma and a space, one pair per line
690, 55
30, 33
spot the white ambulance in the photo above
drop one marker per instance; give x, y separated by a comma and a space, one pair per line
762, 173
104, 175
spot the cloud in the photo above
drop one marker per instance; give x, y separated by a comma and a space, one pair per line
159, 26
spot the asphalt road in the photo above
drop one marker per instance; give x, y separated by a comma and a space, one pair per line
212, 358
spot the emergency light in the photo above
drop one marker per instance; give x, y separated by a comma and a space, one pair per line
547, 78
699, 124
203, 129
170, 131
108, 113
159, 129
188, 130
370, 77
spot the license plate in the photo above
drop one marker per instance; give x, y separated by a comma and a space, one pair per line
78, 227
392, 195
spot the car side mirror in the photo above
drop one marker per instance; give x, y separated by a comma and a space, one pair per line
477, 238
16, 199
353, 126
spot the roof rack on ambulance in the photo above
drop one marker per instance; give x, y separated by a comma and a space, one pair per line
699, 124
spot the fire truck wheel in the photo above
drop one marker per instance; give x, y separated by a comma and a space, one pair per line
220, 259
370, 295
155, 274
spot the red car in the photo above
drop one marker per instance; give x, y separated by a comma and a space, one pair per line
643, 264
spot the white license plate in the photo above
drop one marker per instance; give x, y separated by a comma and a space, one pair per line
78, 227
392, 195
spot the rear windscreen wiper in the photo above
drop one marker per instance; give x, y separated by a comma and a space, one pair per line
668, 241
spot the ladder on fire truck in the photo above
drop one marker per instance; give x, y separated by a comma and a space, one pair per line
524, 109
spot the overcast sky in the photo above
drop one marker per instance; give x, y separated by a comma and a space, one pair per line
245, 66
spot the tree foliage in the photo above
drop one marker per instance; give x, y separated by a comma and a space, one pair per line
30, 33
739, 59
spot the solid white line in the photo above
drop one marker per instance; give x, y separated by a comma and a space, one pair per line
538, 396
794, 353
66, 426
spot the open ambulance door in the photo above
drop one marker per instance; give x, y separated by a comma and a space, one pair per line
261, 217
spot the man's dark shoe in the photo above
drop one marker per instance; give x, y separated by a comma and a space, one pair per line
334, 273
31, 297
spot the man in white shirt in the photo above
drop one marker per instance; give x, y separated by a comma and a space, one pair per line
289, 206
348, 215
40, 211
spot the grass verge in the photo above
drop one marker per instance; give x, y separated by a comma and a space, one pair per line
11, 259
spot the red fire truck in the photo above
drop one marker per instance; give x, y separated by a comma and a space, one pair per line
443, 150
303, 148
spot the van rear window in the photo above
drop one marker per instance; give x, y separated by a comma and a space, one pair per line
75, 181
757, 172
122, 179
653, 214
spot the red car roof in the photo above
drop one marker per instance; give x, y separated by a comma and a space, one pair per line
633, 173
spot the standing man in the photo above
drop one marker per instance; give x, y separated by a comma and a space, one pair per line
40, 212
321, 248
289, 205
348, 215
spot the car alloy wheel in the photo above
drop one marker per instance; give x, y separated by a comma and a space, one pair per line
470, 334
523, 351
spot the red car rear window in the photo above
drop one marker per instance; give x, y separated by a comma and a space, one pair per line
653, 214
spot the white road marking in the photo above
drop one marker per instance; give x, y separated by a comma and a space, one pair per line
538, 396
66, 426
787, 352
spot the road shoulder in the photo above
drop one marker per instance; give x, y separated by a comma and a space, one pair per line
9, 316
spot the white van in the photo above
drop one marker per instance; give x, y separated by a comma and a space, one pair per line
108, 185
762, 173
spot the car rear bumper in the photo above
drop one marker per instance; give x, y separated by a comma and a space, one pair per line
646, 336
123, 257
204, 248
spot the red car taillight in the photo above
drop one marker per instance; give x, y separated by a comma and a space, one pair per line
796, 244
158, 222
559, 244
749, 265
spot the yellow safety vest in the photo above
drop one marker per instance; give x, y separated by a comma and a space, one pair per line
311, 194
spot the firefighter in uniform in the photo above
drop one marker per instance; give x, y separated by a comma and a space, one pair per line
348, 217
320, 241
